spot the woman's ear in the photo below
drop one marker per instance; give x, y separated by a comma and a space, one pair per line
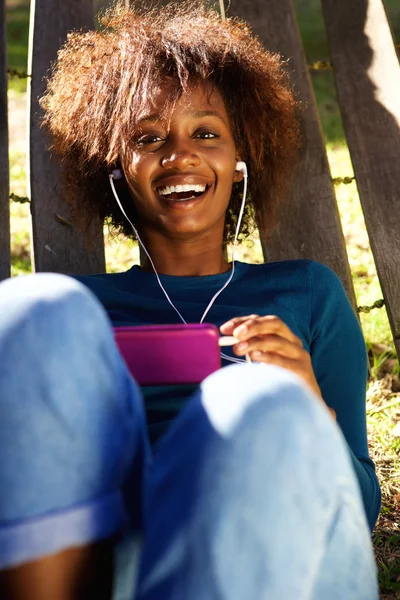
237, 175
118, 173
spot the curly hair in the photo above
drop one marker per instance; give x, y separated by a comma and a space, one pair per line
103, 80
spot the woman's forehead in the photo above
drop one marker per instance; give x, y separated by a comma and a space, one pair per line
197, 100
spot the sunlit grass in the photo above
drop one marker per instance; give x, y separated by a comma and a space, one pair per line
17, 41
365, 279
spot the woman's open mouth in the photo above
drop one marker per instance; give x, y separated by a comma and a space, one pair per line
186, 194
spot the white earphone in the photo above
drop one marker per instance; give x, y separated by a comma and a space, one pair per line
240, 166
116, 174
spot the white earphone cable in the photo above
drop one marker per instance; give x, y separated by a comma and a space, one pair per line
144, 248
244, 169
233, 249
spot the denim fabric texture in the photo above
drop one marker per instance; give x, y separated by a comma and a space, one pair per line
250, 494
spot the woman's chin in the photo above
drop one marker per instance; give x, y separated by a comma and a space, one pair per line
189, 229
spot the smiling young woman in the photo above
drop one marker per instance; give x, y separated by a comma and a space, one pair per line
183, 229
261, 470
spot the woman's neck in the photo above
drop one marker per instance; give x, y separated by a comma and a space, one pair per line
184, 259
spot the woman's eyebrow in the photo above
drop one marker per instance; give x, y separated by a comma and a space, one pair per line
198, 114
208, 113
150, 119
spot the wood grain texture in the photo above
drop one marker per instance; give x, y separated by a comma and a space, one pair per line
56, 247
4, 168
367, 76
308, 223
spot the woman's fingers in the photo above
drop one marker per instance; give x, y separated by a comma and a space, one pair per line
270, 343
301, 366
269, 340
228, 327
262, 326
276, 359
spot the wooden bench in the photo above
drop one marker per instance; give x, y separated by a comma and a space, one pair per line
367, 77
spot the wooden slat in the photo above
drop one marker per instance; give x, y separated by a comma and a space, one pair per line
56, 247
308, 224
4, 169
367, 75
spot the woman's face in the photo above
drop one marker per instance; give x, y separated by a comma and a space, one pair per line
180, 172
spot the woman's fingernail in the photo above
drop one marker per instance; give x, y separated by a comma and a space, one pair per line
256, 354
242, 346
241, 330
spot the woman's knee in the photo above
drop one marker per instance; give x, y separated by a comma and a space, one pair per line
265, 415
51, 325
229, 394
71, 417
46, 300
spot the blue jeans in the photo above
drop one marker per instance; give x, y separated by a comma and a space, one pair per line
250, 494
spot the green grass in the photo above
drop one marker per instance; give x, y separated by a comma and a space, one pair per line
312, 30
17, 41
366, 283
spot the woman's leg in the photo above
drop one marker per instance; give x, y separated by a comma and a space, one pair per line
253, 495
72, 441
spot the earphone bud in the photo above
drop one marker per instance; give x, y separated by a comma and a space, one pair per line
117, 174
241, 166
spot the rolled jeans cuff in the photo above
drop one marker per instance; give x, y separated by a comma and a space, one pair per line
28, 540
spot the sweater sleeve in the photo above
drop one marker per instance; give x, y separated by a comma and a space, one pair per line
339, 360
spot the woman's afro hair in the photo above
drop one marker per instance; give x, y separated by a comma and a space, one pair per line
103, 80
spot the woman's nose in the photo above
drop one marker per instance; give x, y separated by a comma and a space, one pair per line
180, 159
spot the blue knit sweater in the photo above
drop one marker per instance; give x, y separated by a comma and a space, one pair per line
306, 295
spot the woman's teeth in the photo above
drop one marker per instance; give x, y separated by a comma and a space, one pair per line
183, 191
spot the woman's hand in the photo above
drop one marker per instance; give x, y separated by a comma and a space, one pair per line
267, 339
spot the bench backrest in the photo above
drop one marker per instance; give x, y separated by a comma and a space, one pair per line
367, 77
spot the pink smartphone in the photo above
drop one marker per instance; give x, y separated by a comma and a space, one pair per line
169, 354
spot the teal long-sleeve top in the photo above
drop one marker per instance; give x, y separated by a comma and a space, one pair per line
306, 295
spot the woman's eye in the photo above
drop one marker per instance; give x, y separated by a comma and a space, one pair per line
149, 139
207, 135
